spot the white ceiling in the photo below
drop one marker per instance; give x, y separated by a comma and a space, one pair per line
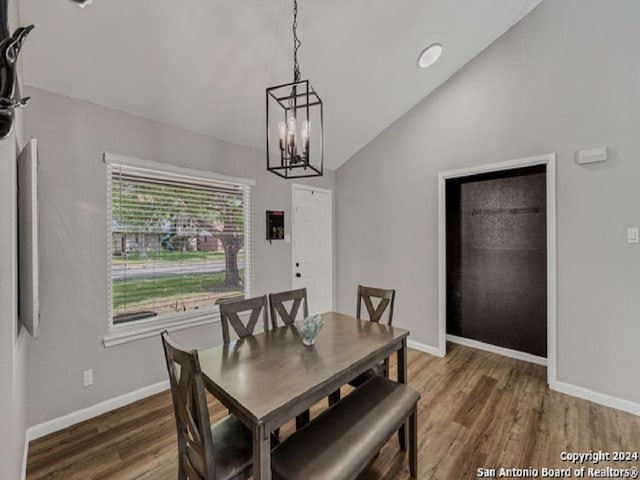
204, 65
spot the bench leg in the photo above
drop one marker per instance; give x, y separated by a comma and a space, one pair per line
302, 419
334, 397
413, 443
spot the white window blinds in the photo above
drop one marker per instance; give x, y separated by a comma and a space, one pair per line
177, 243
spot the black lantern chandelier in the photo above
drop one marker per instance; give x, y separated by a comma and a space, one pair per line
294, 146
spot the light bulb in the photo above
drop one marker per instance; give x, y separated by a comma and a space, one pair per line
291, 136
282, 133
306, 128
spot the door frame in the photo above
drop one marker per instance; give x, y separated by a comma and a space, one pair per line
309, 188
550, 161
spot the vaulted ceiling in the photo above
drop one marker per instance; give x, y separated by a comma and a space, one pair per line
203, 65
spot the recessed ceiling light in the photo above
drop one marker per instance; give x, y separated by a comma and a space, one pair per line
430, 55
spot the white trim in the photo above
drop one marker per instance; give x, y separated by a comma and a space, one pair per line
248, 241
550, 161
552, 287
499, 166
140, 329
143, 164
109, 232
119, 334
309, 188
421, 347
596, 397
505, 352
25, 456
72, 418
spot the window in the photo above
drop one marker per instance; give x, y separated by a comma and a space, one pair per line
178, 241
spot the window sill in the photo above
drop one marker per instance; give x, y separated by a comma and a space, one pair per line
119, 334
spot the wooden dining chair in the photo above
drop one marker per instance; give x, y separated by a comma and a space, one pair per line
229, 315
288, 314
377, 302
219, 452
385, 298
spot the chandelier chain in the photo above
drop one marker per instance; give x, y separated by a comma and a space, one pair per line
296, 43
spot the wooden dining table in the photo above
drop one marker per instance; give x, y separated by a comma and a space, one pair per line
270, 378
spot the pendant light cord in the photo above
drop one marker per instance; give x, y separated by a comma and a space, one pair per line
296, 43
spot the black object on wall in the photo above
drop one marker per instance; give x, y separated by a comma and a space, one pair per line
496, 259
9, 49
275, 225
4, 19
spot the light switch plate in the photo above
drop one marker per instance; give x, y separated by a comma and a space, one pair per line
632, 235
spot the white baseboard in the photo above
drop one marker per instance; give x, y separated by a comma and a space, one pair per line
506, 352
45, 428
421, 347
596, 397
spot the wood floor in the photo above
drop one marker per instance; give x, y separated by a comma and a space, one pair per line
478, 410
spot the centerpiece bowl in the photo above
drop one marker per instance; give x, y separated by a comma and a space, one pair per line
309, 328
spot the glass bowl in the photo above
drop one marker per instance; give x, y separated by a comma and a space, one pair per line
309, 328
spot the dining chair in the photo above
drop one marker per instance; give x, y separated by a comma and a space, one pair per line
280, 307
219, 452
385, 299
229, 314
288, 314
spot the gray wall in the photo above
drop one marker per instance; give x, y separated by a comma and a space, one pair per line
565, 78
72, 136
12, 342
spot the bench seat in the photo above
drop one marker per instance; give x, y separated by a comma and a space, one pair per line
342, 441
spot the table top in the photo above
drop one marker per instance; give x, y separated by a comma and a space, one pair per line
272, 376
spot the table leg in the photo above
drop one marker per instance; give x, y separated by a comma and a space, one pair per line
262, 451
302, 419
402, 378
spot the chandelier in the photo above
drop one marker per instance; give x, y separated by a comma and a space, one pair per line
294, 146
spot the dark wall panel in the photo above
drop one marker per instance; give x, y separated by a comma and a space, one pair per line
496, 259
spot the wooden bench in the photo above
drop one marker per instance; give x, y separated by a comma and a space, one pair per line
342, 441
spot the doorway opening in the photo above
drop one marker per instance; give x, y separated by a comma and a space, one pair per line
497, 259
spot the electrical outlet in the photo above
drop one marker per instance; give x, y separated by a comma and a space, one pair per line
87, 377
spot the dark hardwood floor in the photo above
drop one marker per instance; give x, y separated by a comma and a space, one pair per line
478, 410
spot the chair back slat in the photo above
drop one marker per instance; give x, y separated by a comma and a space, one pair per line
229, 315
195, 441
279, 308
385, 297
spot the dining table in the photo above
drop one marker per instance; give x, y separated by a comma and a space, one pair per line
272, 377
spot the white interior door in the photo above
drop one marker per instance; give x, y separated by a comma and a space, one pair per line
312, 239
